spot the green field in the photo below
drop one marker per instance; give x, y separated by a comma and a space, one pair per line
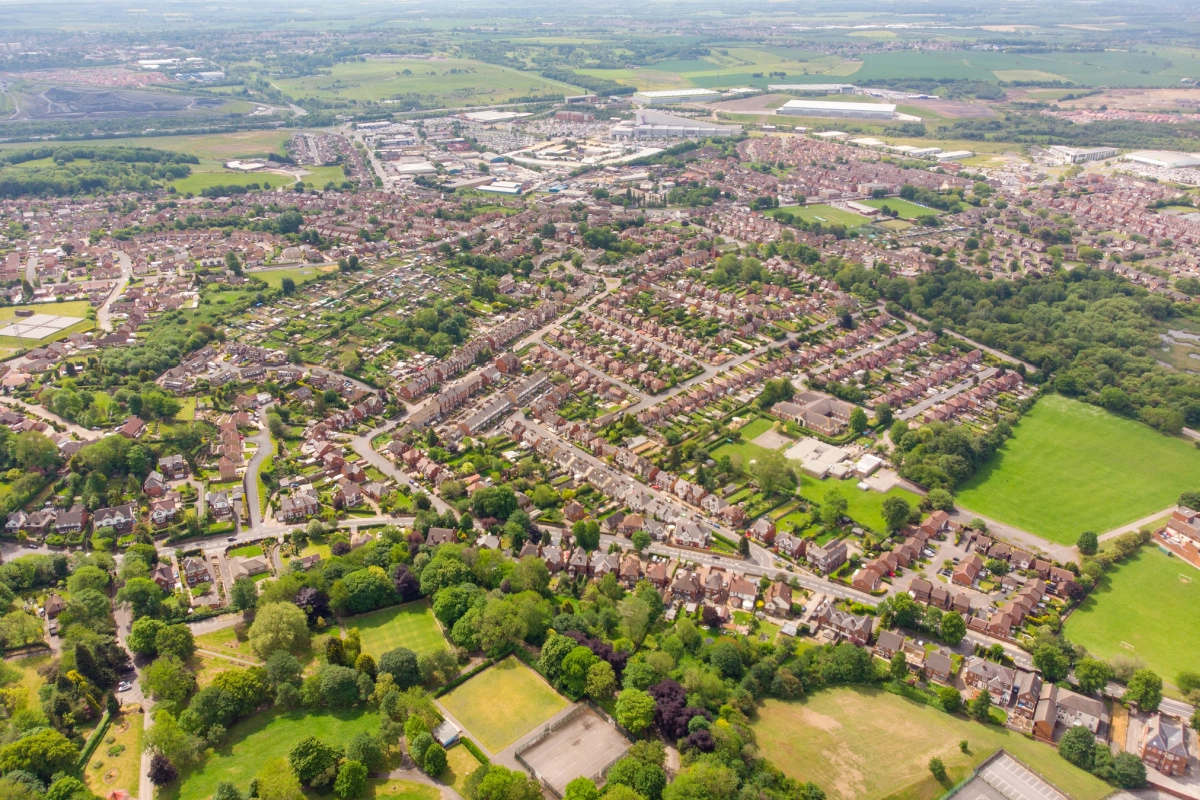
1071, 467
105, 773
828, 215
865, 508
402, 790
301, 275
1143, 608
460, 763
198, 181
865, 744
453, 81
260, 739
503, 703
412, 626
906, 209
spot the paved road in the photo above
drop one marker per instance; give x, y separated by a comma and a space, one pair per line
263, 440
103, 319
50, 416
997, 353
362, 446
31, 267
943, 396
1013, 535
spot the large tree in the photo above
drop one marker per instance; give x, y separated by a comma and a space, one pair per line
278, 626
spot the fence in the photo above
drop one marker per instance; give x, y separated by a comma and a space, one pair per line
549, 730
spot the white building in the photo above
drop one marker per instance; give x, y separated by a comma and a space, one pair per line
668, 96
1080, 155
838, 109
1163, 159
656, 125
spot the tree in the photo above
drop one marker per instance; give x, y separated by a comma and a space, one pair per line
581, 789
898, 667
162, 771
288, 286
575, 669
586, 534
499, 625
1053, 663
1078, 745
32, 450
895, 512
938, 769
314, 762
143, 595
1088, 543
635, 710
339, 686
365, 749
278, 626
42, 753
283, 667
834, 508
143, 636
726, 658
434, 762
774, 474
980, 707
176, 640
950, 699
351, 780
401, 664
601, 680
1092, 675
277, 782
168, 738
1145, 689
953, 628
858, 420
883, 415
243, 594
641, 540
169, 681
1128, 771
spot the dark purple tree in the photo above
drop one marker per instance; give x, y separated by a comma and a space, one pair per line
313, 602
407, 585
162, 771
701, 740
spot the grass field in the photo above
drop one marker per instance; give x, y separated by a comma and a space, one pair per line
459, 766
1072, 467
1141, 608
105, 773
865, 508
906, 209
199, 181
453, 81
402, 790
412, 626
865, 744
828, 215
503, 703
263, 738
213, 148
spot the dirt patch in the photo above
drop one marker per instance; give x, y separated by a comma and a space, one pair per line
819, 721
955, 109
772, 440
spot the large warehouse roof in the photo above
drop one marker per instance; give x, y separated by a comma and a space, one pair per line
1164, 158
835, 105
661, 93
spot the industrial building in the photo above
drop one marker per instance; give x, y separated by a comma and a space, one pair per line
1164, 159
1080, 155
656, 125
829, 108
668, 96
813, 88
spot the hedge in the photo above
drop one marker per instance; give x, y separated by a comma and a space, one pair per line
474, 750
94, 740
199, 616
466, 676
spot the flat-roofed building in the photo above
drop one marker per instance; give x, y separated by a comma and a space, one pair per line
668, 96
837, 109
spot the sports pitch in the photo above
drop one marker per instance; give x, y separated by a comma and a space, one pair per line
38, 326
1071, 467
1144, 608
503, 703
412, 626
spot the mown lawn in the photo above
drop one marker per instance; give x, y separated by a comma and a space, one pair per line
864, 507
261, 739
412, 626
1071, 467
828, 215
905, 208
1145, 607
503, 703
105, 773
866, 744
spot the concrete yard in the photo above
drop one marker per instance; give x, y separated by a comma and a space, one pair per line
584, 746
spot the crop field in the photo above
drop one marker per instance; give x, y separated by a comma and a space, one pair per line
853, 744
412, 626
1071, 467
727, 67
212, 149
1143, 608
263, 738
452, 81
503, 703
905, 208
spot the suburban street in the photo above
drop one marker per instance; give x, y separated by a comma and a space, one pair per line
103, 319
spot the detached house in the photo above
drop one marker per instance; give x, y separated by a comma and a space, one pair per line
120, 518
155, 484
1163, 745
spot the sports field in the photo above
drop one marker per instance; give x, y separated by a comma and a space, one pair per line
301, 275
503, 703
1143, 608
199, 181
261, 739
828, 215
453, 81
1071, 467
905, 208
412, 626
865, 744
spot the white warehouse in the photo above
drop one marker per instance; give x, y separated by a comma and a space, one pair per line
829, 108
668, 96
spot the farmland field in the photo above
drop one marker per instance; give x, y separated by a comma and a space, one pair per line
1142, 608
852, 743
213, 148
503, 703
412, 626
452, 81
1071, 467
263, 738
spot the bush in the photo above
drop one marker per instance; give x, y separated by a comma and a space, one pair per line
1078, 746
434, 762
937, 768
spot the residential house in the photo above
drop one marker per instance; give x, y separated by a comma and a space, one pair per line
687, 586
968, 571
164, 509
72, 520
939, 667
851, 627
132, 428
827, 558
248, 566
173, 468
983, 675
887, 644
220, 505
196, 571
1163, 745
744, 591
119, 518
164, 576
438, 536
1063, 707
347, 493
155, 484
777, 599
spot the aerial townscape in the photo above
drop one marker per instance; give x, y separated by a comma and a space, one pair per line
697, 400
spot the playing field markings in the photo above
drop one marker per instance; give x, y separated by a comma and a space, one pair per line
1128, 646
1184, 578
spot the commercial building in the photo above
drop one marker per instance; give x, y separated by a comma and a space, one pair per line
1080, 155
1163, 159
813, 88
656, 125
830, 108
668, 96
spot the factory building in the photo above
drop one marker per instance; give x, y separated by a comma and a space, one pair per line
656, 125
1080, 155
668, 96
813, 88
1164, 159
828, 108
